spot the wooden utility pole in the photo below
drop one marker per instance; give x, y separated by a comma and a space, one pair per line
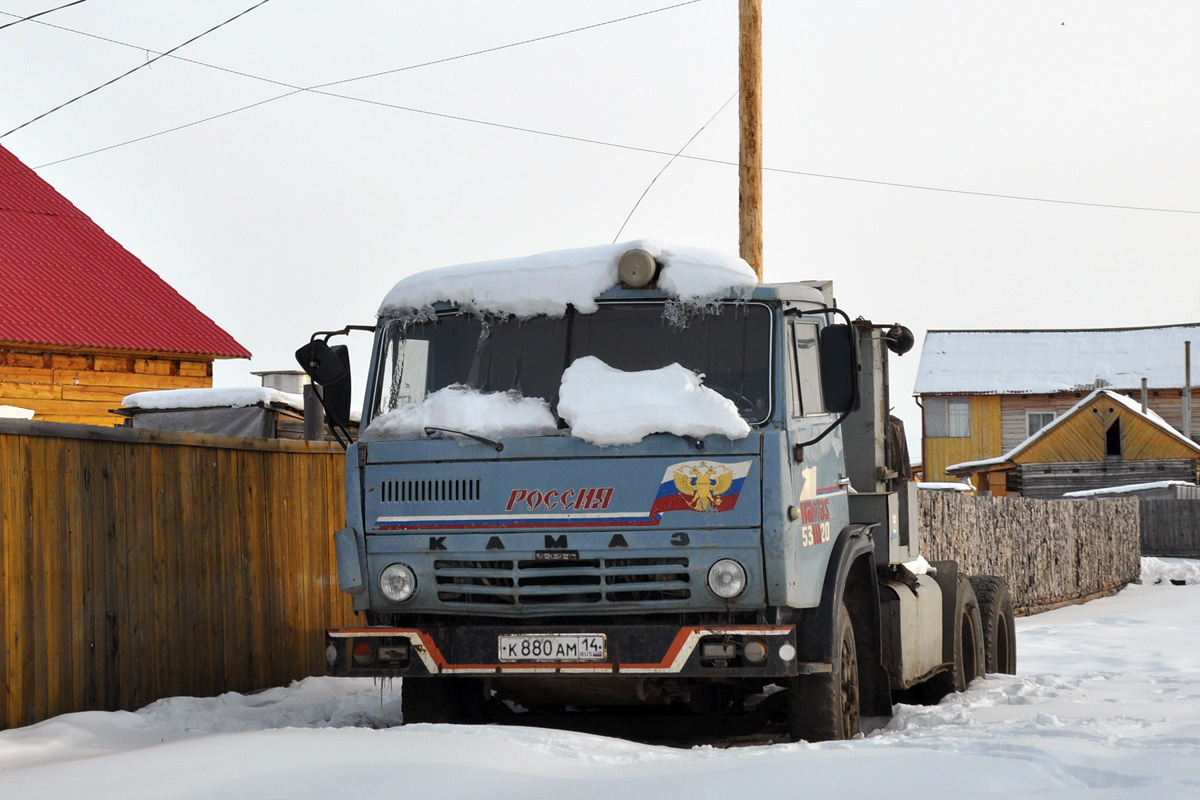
750, 238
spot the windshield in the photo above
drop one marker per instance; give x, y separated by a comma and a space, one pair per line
731, 348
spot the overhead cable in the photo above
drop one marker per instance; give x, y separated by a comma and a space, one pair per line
384, 72
40, 14
670, 161
634, 149
143, 65
318, 89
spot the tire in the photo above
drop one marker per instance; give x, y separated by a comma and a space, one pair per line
824, 707
968, 637
457, 701
999, 632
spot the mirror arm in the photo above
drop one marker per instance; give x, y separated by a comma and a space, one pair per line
326, 334
334, 423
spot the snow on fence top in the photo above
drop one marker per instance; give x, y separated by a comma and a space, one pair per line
212, 398
1127, 488
12, 412
545, 284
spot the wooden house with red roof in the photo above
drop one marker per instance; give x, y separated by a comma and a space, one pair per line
83, 322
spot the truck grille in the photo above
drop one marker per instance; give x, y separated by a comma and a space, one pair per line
445, 490
588, 581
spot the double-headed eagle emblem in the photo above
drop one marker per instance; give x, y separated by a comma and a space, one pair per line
703, 484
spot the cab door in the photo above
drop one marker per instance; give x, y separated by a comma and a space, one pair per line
817, 474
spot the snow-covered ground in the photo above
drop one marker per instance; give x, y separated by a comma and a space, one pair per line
1107, 704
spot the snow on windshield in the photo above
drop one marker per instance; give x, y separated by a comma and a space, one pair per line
212, 398
492, 415
602, 406
605, 406
548, 282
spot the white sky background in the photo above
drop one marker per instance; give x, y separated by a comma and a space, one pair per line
300, 214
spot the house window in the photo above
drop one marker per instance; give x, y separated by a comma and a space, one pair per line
1038, 420
948, 417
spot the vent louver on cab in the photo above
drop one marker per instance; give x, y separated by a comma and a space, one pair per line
445, 490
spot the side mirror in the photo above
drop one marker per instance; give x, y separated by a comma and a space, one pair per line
839, 368
322, 363
329, 367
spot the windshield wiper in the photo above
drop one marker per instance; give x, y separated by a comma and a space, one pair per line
430, 431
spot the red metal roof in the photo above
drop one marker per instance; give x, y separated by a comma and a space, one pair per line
64, 281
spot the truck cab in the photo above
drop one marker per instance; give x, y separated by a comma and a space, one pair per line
643, 506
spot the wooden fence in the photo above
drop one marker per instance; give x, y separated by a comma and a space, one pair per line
1051, 552
1171, 528
137, 565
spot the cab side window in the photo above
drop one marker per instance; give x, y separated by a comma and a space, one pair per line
806, 367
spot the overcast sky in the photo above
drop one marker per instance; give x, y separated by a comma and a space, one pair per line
299, 214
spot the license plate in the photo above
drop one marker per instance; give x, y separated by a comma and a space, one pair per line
553, 647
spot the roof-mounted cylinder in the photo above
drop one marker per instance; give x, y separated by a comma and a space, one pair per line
636, 268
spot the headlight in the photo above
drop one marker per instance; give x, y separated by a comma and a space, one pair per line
397, 582
726, 579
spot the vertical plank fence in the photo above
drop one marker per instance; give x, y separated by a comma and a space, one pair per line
1051, 552
137, 565
1171, 528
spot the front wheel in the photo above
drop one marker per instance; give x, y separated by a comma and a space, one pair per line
822, 707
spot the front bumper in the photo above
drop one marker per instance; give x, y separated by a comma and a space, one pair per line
662, 650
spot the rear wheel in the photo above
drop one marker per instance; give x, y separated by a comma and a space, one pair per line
999, 633
968, 636
825, 707
445, 700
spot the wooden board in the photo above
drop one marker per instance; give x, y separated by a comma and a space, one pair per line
135, 566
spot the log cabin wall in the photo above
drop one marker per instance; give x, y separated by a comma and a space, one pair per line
136, 565
63, 386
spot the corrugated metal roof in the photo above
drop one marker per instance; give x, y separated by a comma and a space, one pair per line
1050, 361
65, 282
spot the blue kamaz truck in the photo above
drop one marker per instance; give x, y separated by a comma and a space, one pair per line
768, 580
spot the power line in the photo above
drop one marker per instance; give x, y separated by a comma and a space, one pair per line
135, 69
628, 148
40, 14
317, 89
671, 161
405, 68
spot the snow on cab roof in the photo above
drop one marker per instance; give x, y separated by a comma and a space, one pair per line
546, 283
1049, 361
